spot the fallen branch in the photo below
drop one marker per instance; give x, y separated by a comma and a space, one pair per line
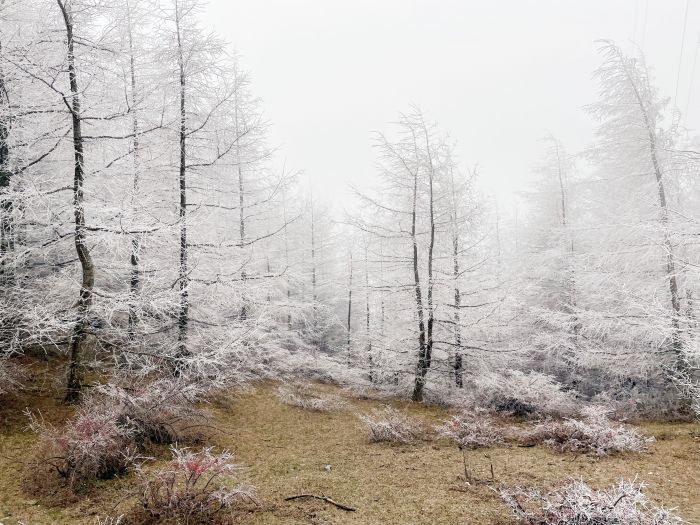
322, 497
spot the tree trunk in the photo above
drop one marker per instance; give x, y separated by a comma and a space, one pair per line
458, 366
350, 306
6, 230
183, 316
286, 258
650, 126
241, 207
370, 358
425, 357
135, 277
668, 248
568, 245
313, 254
79, 335
382, 317
421, 370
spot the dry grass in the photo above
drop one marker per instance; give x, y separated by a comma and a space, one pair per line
286, 452
386, 424
304, 395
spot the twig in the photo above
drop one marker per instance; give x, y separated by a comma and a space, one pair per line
322, 497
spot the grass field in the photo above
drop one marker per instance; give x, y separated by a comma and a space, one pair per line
288, 450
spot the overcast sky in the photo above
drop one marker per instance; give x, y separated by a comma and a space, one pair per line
496, 74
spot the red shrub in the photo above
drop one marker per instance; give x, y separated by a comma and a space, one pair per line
91, 445
190, 489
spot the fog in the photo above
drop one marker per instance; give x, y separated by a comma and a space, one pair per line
499, 75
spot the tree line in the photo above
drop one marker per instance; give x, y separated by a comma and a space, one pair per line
147, 226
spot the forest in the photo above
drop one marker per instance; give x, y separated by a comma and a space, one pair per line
190, 333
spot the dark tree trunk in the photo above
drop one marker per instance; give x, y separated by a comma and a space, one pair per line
425, 357
457, 366
79, 335
183, 316
6, 207
421, 369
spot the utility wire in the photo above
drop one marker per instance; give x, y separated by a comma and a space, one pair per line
692, 80
680, 57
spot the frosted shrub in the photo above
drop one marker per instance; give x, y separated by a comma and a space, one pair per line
472, 429
519, 394
302, 395
593, 433
578, 504
114, 425
193, 488
162, 411
388, 424
91, 445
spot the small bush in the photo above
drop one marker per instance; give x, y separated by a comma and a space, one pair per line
191, 489
302, 395
594, 433
162, 412
91, 445
649, 399
388, 424
578, 504
519, 394
112, 427
472, 429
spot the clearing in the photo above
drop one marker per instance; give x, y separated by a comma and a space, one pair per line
287, 450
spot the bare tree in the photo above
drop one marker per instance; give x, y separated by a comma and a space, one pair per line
79, 335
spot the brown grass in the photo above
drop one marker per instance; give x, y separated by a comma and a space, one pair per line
286, 451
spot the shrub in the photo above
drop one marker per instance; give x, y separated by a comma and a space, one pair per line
519, 394
162, 411
91, 445
113, 426
472, 429
190, 488
594, 433
652, 398
388, 424
301, 395
578, 504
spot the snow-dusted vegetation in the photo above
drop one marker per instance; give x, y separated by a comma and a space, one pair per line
388, 424
176, 287
594, 433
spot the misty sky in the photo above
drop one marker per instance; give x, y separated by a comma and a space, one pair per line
498, 75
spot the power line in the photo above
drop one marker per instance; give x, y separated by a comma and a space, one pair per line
692, 79
644, 25
680, 57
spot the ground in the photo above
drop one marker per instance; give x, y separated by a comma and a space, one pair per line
287, 451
